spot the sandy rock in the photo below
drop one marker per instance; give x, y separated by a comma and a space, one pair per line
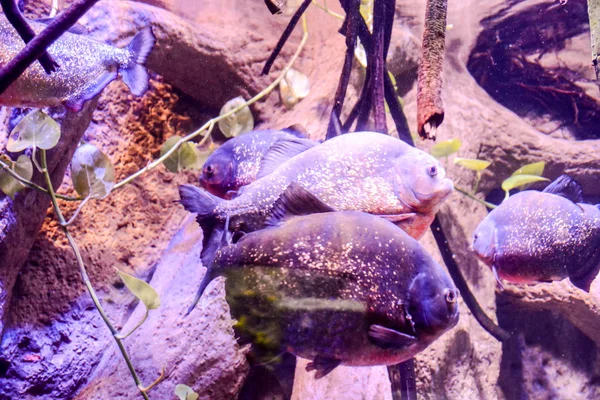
21, 219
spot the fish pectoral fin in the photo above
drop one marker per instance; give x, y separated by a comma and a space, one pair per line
281, 151
76, 103
566, 187
389, 338
398, 217
294, 201
323, 366
297, 130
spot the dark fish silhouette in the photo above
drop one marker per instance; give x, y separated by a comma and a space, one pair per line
237, 162
86, 68
338, 288
542, 236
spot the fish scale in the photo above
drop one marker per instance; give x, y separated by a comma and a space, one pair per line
86, 66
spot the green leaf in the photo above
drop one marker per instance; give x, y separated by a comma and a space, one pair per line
36, 129
293, 88
237, 123
186, 156
141, 290
536, 168
92, 172
10, 185
185, 392
472, 164
445, 148
516, 181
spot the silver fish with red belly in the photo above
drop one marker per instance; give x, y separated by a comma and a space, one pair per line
237, 162
338, 288
542, 236
362, 171
86, 68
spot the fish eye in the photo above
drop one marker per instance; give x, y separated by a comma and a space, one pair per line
450, 296
209, 170
432, 170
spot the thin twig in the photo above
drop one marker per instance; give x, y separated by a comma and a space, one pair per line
210, 123
352, 16
53, 9
285, 35
84, 275
469, 195
18, 21
377, 63
327, 10
122, 336
76, 213
38, 45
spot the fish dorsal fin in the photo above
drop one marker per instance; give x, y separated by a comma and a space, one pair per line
77, 28
294, 201
281, 151
566, 187
297, 130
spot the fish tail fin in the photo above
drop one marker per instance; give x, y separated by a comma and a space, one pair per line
134, 73
211, 243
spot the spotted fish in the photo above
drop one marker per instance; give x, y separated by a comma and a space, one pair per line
238, 161
86, 68
337, 288
542, 236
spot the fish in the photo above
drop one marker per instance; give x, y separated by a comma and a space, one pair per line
86, 68
545, 236
361, 171
237, 162
337, 288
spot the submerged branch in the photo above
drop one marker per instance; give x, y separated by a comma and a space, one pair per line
377, 63
460, 282
430, 108
594, 15
38, 45
352, 16
285, 36
18, 21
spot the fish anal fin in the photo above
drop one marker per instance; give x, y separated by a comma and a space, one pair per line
281, 151
75, 103
397, 217
294, 201
322, 366
390, 338
566, 187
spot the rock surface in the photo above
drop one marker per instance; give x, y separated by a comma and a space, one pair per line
21, 219
56, 346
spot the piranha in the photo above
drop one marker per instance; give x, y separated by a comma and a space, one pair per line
237, 162
337, 288
86, 68
542, 236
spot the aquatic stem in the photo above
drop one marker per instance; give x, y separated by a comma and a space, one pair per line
469, 195
208, 126
38, 45
83, 272
76, 213
32, 185
122, 336
327, 10
53, 9
18, 21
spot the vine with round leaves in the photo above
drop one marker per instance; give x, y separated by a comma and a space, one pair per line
93, 177
520, 179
